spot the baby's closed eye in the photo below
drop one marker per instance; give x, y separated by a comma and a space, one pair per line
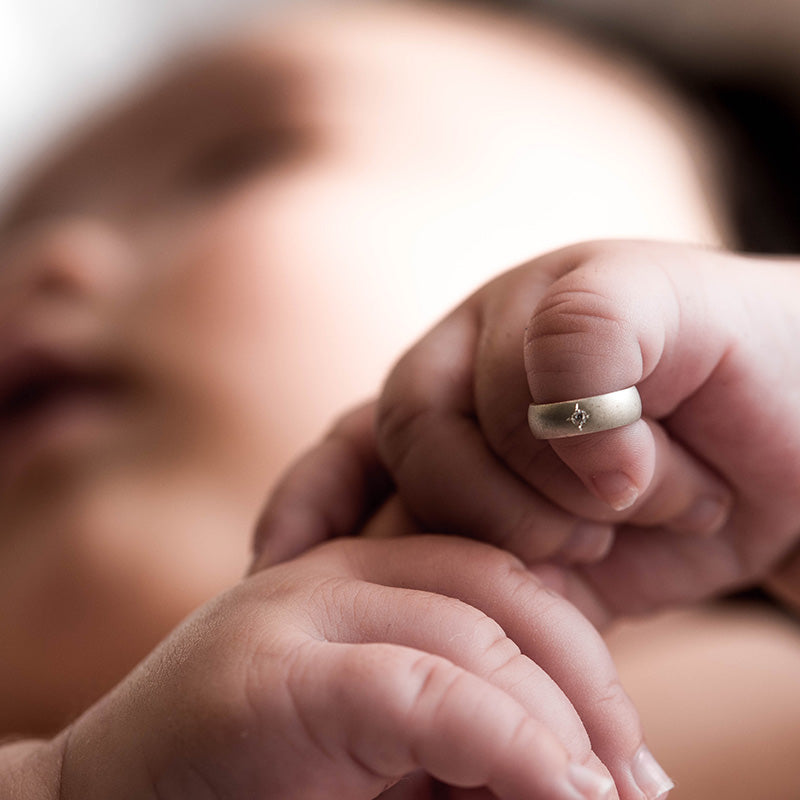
218, 165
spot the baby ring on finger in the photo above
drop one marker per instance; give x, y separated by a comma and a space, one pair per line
602, 412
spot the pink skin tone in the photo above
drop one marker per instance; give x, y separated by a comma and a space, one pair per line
703, 497
208, 272
702, 333
357, 663
160, 360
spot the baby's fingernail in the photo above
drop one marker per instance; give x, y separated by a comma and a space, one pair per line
705, 517
589, 783
590, 541
649, 776
616, 488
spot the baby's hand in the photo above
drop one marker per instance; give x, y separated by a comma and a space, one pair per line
363, 661
700, 496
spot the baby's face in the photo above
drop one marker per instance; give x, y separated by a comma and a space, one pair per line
200, 280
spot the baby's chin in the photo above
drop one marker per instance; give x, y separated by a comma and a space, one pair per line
97, 575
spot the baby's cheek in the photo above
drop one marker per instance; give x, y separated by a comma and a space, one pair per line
344, 287
267, 302
216, 338
218, 286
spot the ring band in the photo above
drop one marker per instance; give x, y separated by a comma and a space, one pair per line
602, 412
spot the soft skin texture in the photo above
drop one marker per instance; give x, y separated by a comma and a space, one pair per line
725, 720
709, 498
360, 662
239, 250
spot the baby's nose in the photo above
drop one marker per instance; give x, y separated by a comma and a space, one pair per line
75, 258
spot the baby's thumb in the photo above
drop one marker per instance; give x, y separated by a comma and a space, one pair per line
620, 319
330, 491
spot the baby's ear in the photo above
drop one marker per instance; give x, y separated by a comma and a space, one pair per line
330, 491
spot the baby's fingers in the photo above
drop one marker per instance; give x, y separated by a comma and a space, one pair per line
327, 493
446, 472
547, 629
634, 314
390, 710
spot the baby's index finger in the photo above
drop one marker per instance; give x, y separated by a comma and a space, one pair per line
629, 315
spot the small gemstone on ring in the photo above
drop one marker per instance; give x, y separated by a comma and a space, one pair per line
579, 417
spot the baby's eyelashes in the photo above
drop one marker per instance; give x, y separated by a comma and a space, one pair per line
220, 164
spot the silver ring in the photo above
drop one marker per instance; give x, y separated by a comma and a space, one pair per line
602, 412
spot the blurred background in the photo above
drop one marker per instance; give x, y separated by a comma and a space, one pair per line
739, 65
58, 60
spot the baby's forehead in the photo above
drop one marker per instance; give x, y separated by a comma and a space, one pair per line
386, 84
288, 73
276, 67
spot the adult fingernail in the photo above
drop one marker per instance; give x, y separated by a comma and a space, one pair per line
590, 784
590, 541
649, 775
704, 517
616, 488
